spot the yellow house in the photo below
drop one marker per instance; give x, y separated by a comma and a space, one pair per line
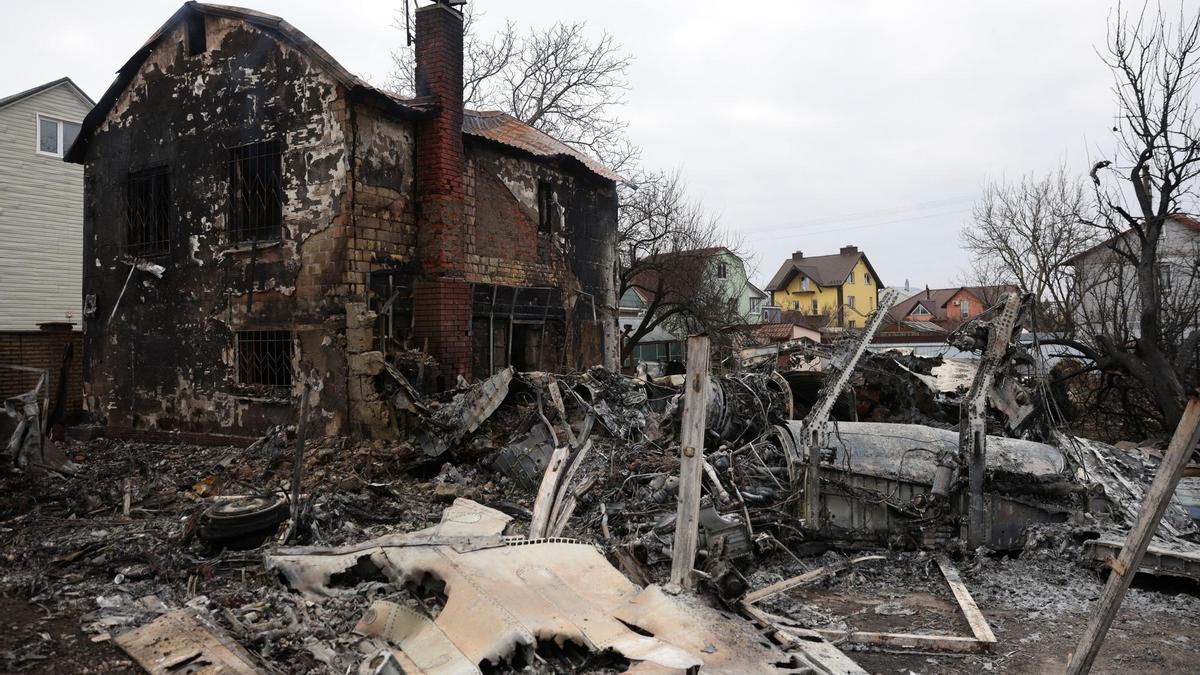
843, 287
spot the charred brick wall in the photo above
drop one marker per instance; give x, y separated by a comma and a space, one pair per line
42, 350
506, 246
441, 299
167, 360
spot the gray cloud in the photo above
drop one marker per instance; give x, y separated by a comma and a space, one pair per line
806, 125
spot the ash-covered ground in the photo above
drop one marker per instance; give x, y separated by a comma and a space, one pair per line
78, 570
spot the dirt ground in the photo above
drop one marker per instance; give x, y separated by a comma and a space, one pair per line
77, 570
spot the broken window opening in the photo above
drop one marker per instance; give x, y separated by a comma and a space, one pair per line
255, 192
147, 218
265, 358
391, 300
549, 211
196, 37
515, 326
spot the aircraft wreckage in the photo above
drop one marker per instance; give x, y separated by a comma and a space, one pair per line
571, 495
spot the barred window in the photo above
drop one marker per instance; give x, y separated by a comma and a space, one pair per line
147, 220
264, 358
255, 192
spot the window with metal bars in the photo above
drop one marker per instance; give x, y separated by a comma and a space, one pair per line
264, 358
147, 229
255, 192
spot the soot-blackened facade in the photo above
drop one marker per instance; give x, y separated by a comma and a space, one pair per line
260, 223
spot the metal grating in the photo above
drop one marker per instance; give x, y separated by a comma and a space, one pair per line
265, 358
147, 218
255, 192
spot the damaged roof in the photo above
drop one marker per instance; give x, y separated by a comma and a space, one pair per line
507, 130
493, 126
825, 270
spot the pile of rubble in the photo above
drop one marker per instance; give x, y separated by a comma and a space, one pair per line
531, 521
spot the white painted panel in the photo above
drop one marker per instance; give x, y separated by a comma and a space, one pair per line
41, 217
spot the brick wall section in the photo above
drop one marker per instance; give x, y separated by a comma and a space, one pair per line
441, 315
39, 349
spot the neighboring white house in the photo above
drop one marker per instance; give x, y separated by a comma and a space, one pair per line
1110, 303
41, 206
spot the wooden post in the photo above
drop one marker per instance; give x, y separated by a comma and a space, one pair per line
1126, 566
691, 461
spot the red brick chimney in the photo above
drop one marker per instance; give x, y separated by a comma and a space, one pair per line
440, 161
441, 296
848, 250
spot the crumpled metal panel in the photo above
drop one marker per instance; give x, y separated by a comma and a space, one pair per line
908, 452
506, 594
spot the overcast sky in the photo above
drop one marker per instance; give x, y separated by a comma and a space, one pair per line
805, 125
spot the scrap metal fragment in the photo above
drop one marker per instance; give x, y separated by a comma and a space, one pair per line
464, 413
507, 595
421, 639
183, 642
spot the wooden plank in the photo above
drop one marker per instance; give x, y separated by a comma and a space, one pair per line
691, 463
979, 625
803, 579
544, 502
944, 643
1187, 433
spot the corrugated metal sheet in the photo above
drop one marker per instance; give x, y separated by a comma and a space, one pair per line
41, 216
507, 130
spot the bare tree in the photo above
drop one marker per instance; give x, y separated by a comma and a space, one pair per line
557, 80
1025, 233
666, 243
1155, 64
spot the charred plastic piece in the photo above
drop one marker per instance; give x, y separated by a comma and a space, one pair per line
244, 523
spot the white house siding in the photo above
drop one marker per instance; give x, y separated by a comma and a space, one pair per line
1111, 282
41, 217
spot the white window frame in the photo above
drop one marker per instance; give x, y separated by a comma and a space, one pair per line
804, 285
850, 301
722, 270
37, 137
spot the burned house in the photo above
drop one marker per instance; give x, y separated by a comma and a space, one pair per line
259, 222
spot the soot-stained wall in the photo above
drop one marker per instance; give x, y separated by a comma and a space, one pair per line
161, 354
166, 360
